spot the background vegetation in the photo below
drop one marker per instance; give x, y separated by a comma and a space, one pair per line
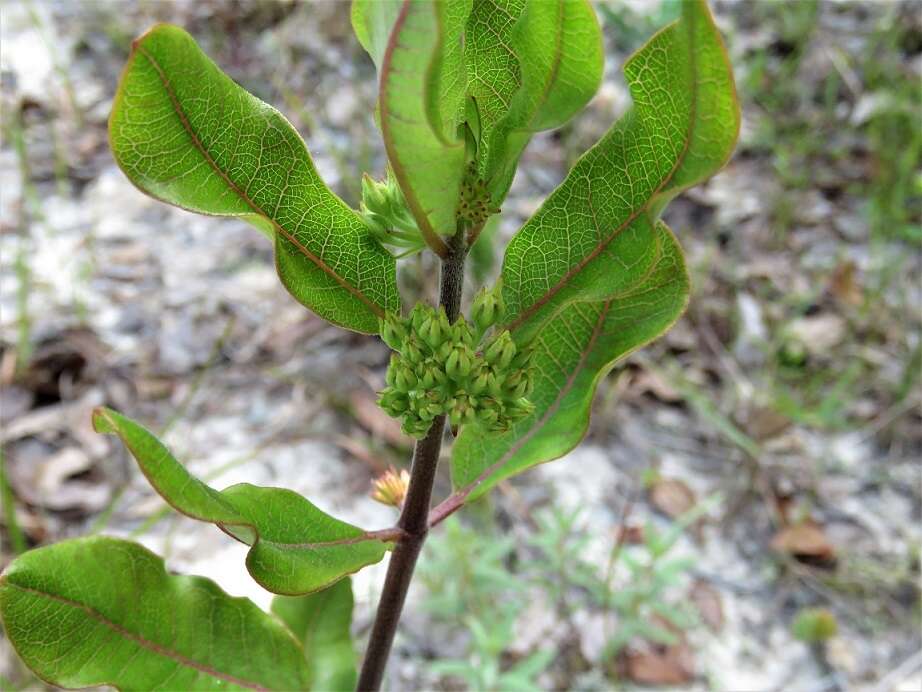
745, 512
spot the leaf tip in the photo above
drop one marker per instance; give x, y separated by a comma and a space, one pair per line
102, 420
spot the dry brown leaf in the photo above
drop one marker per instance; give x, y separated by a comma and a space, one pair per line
374, 420
763, 423
843, 285
670, 665
647, 381
632, 534
804, 540
672, 497
709, 604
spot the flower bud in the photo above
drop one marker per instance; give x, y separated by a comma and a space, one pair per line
393, 402
444, 324
405, 379
374, 194
521, 408
518, 391
483, 310
431, 332
480, 383
465, 362
488, 416
508, 353
495, 384
496, 347
390, 377
393, 331
451, 363
455, 416
391, 487
523, 358
412, 352
444, 351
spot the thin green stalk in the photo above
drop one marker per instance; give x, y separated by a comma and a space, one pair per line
17, 537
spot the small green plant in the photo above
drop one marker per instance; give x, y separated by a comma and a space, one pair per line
814, 625
485, 582
592, 276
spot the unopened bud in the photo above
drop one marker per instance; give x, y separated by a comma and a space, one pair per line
508, 354
393, 331
431, 332
390, 377
451, 363
487, 308
374, 194
391, 487
495, 350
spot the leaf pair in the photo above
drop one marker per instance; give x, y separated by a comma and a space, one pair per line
594, 275
103, 611
295, 547
473, 79
185, 133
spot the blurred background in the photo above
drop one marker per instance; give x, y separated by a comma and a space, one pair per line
746, 511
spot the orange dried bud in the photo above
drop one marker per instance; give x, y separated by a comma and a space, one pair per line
391, 487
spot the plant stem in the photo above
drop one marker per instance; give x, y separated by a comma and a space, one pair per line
414, 519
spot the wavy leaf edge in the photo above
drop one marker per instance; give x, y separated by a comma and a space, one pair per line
106, 421
7, 580
259, 218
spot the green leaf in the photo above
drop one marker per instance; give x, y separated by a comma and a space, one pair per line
594, 236
494, 73
558, 44
295, 547
420, 99
103, 611
322, 621
572, 353
186, 134
372, 21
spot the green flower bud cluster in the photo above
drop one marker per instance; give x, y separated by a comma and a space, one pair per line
440, 368
385, 211
474, 204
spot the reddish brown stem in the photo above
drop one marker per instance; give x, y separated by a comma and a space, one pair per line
414, 519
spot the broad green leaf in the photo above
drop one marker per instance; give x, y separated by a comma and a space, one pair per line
573, 352
494, 73
322, 622
593, 237
372, 21
103, 611
185, 133
419, 103
558, 44
295, 547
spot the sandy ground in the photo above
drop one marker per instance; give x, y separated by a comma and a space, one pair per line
107, 296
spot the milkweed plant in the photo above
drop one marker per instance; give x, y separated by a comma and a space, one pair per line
593, 275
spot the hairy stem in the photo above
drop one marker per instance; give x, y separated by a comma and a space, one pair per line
414, 519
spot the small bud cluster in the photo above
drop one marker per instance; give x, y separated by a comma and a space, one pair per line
387, 216
437, 369
474, 204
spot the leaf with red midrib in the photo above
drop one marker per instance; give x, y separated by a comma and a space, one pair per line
593, 275
186, 134
594, 236
295, 547
103, 611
